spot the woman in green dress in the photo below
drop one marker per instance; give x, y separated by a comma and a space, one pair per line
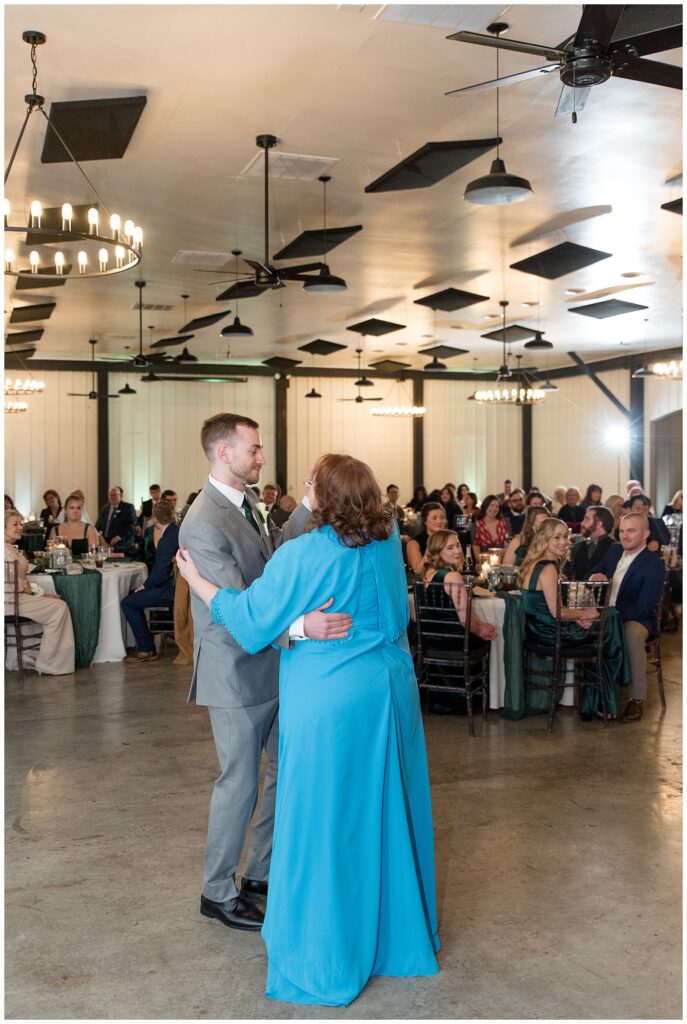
515, 552
442, 559
538, 575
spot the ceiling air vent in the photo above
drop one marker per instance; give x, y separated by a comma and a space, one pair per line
291, 166
152, 307
210, 260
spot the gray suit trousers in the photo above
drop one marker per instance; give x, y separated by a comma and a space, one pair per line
240, 736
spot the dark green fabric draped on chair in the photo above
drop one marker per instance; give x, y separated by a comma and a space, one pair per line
83, 597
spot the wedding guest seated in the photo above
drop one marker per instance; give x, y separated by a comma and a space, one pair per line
282, 513
433, 519
489, 528
462, 493
85, 518
673, 510
597, 527
271, 493
391, 503
513, 511
572, 513
158, 588
614, 503
146, 513
518, 546
56, 654
418, 499
636, 592
538, 576
171, 496
76, 534
442, 557
449, 504
189, 501
593, 496
53, 507
558, 500
9, 504
633, 487
506, 492
659, 534
117, 521
470, 504
535, 498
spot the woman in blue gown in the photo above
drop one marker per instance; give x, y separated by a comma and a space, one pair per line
351, 885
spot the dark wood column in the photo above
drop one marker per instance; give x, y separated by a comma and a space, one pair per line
281, 433
418, 434
103, 426
526, 447
637, 428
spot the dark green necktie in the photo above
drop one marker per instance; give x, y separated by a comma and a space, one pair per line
248, 513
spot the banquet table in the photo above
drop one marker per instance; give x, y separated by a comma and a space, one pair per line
117, 579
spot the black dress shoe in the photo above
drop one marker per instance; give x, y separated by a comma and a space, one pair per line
251, 888
244, 914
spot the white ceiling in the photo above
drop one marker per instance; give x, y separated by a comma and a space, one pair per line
349, 83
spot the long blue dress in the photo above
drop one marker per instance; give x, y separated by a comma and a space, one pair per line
351, 886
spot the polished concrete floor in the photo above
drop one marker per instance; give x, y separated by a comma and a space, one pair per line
558, 861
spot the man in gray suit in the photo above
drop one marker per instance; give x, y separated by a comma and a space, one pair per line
230, 544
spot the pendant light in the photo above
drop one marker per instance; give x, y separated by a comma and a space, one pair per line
435, 365
236, 329
313, 394
325, 281
538, 342
126, 390
498, 187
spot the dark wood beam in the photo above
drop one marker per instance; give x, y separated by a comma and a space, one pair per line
586, 369
281, 432
526, 447
103, 428
418, 434
636, 429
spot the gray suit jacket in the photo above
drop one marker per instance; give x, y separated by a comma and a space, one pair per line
229, 552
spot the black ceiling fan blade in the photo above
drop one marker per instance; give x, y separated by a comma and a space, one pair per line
653, 72
550, 52
178, 339
203, 380
494, 83
293, 273
654, 42
597, 24
158, 357
78, 394
650, 28
242, 290
264, 268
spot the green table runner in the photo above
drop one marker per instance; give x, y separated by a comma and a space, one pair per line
82, 595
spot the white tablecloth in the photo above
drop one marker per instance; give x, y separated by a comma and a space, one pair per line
493, 610
118, 581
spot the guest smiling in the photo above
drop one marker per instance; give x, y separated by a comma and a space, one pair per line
489, 529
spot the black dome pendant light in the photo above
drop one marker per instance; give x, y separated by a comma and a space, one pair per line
236, 329
325, 280
498, 187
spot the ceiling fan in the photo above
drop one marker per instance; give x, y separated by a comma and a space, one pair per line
92, 394
263, 275
154, 378
611, 41
362, 382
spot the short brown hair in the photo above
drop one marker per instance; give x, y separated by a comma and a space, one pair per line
163, 511
222, 427
349, 500
73, 497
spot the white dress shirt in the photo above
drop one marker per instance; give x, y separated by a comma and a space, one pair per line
621, 568
296, 629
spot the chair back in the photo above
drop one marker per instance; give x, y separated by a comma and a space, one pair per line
437, 618
584, 594
12, 589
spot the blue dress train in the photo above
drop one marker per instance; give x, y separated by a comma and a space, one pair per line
351, 885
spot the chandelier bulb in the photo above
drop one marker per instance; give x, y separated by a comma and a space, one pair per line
82, 259
9, 259
115, 225
129, 230
119, 255
138, 236
93, 220
36, 210
67, 214
103, 256
59, 262
7, 210
34, 260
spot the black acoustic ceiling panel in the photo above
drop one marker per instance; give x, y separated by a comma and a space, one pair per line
93, 129
241, 290
281, 362
431, 163
178, 340
316, 242
27, 314
11, 353
28, 281
561, 260
375, 327
674, 206
514, 332
51, 218
203, 321
23, 337
389, 365
450, 299
609, 307
442, 351
320, 347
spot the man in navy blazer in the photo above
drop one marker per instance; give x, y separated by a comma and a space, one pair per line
158, 589
638, 577
117, 521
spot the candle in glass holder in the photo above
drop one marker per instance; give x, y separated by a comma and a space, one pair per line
494, 556
483, 564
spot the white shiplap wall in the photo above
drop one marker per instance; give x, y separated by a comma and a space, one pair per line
155, 434
469, 443
321, 425
661, 397
54, 444
572, 431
